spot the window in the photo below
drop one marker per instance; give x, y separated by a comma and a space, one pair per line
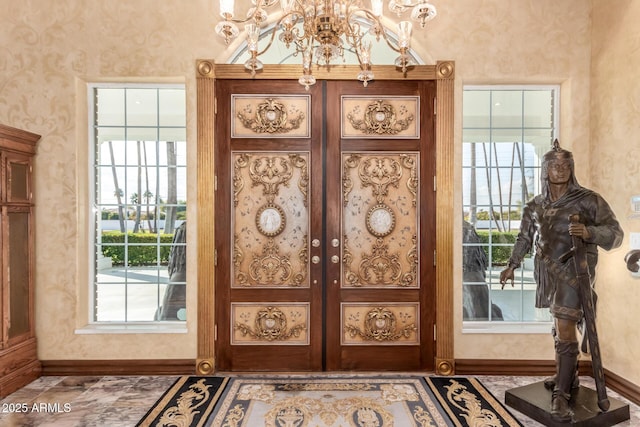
506, 130
139, 203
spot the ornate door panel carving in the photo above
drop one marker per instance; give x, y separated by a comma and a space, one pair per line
323, 228
270, 219
380, 220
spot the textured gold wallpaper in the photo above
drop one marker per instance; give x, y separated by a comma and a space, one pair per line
49, 50
615, 163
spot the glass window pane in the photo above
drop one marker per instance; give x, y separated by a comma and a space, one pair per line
18, 274
172, 134
113, 247
150, 154
475, 153
506, 109
110, 107
538, 109
140, 134
506, 136
173, 303
181, 152
142, 107
143, 301
171, 108
18, 180
110, 302
110, 181
110, 146
476, 109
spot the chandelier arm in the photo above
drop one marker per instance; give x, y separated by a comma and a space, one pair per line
293, 29
251, 17
353, 36
304, 44
271, 39
261, 5
301, 5
370, 16
353, 30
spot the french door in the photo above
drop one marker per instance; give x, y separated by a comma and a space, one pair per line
324, 226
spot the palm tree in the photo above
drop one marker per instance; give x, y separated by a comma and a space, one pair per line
500, 202
492, 216
148, 194
473, 195
121, 216
172, 196
135, 200
138, 201
152, 227
118, 193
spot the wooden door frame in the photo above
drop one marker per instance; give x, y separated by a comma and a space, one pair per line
206, 74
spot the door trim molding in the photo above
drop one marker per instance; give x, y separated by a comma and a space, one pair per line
206, 74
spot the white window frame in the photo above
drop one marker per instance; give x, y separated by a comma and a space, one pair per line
509, 326
120, 326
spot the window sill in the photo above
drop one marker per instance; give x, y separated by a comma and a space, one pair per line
133, 328
506, 328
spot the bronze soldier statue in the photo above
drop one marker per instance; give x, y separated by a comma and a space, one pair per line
546, 225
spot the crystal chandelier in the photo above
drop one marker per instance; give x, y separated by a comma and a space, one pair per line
320, 31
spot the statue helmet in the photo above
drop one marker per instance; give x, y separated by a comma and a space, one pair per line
556, 153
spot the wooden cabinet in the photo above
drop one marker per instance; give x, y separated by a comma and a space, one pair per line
19, 363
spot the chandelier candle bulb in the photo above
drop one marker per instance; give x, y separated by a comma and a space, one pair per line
226, 9
253, 34
404, 34
376, 8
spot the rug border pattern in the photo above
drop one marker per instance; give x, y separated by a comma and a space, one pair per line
494, 403
163, 403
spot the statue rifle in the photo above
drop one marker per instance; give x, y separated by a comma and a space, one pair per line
586, 298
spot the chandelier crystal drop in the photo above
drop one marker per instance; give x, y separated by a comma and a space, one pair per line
320, 31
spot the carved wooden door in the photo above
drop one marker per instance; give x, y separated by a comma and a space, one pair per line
324, 226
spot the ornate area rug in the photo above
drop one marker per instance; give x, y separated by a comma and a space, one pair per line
308, 401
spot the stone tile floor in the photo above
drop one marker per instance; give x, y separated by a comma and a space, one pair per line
121, 401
